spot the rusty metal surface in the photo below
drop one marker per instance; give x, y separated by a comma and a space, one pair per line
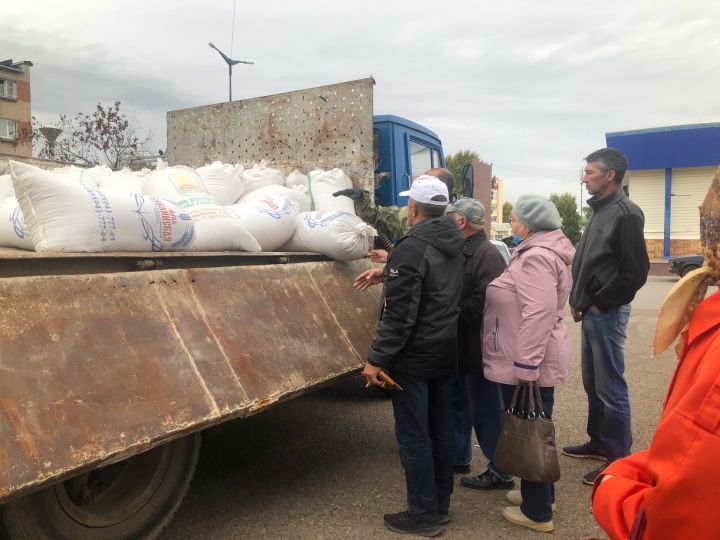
323, 127
95, 368
16, 262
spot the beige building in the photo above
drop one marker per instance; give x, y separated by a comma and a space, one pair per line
669, 172
15, 115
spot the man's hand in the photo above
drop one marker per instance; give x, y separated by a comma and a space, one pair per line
371, 372
368, 278
355, 194
576, 315
378, 255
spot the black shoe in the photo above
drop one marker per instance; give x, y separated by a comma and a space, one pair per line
587, 450
406, 523
589, 478
444, 519
486, 480
461, 469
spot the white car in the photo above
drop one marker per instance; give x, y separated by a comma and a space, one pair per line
502, 248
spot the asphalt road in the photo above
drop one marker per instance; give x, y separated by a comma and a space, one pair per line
325, 465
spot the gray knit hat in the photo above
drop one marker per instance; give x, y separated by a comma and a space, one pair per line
537, 213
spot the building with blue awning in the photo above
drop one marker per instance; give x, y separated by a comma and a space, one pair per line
669, 171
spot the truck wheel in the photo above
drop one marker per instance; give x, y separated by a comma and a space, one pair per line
689, 268
132, 499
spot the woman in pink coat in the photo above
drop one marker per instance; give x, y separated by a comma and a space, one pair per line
524, 337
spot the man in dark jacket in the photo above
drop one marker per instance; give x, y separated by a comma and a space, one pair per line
476, 401
415, 342
611, 263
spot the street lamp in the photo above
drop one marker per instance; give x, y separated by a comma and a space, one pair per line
230, 63
51, 134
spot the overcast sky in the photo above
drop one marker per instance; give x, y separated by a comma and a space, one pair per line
532, 86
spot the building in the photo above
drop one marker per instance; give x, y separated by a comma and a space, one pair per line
669, 172
15, 108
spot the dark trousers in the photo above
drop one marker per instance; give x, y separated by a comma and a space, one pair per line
537, 497
424, 431
477, 403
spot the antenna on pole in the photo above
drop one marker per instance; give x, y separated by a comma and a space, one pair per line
230, 63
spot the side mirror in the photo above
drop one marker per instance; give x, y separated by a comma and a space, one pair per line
468, 182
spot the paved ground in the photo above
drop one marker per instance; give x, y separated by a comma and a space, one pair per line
325, 465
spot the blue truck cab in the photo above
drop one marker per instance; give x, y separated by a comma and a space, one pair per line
403, 150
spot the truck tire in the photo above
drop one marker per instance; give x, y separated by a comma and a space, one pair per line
689, 268
132, 499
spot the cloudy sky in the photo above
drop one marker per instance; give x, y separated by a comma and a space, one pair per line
532, 86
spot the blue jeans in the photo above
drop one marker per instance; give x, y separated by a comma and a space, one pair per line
537, 497
477, 403
603, 373
424, 431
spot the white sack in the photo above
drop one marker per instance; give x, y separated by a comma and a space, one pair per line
260, 175
86, 176
322, 185
271, 221
72, 217
215, 228
296, 178
338, 235
124, 181
299, 198
6, 187
220, 180
13, 231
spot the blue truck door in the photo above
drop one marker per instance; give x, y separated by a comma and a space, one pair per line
403, 150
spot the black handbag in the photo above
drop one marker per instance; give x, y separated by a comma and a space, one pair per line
526, 447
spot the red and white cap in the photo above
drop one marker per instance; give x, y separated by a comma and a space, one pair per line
428, 190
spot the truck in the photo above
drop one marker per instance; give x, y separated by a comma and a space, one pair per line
114, 363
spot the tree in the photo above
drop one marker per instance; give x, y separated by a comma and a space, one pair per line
567, 207
456, 163
587, 212
107, 136
507, 210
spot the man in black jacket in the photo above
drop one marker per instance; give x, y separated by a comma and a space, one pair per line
611, 263
476, 401
415, 342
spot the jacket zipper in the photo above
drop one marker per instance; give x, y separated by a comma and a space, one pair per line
497, 330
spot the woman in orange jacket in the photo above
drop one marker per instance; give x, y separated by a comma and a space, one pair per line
668, 492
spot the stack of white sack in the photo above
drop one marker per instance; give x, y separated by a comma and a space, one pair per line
300, 200
337, 234
260, 175
215, 228
6, 187
320, 186
125, 181
223, 182
271, 221
90, 177
69, 216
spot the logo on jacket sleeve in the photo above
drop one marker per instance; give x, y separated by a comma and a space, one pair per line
393, 273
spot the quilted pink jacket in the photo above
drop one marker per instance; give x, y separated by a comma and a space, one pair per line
524, 337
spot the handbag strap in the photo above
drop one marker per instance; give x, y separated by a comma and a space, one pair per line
536, 391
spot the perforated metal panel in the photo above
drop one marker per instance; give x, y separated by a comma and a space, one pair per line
323, 127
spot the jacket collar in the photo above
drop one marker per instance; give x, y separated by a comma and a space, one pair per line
596, 203
705, 318
473, 241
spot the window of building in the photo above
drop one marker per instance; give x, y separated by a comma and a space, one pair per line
420, 158
8, 89
7, 129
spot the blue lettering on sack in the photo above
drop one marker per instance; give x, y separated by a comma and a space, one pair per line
107, 227
326, 218
273, 210
18, 224
165, 218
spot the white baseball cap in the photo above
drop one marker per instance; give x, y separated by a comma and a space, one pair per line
428, 190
